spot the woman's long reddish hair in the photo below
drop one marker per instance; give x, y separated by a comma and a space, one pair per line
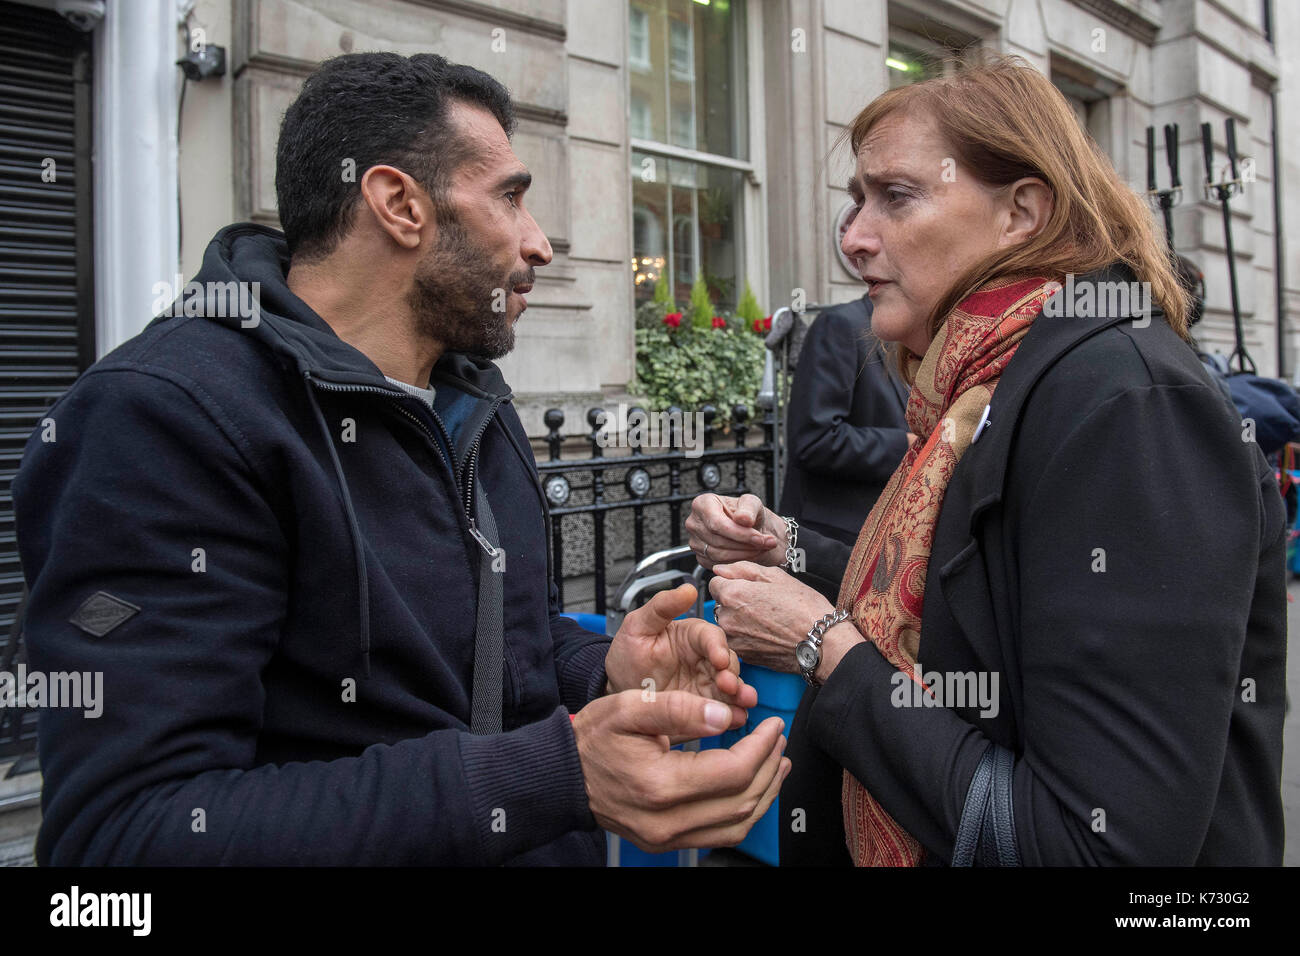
1005, 121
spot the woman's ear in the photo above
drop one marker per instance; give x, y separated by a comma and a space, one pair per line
1029, 204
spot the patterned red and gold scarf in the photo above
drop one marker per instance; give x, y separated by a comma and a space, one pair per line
884, 584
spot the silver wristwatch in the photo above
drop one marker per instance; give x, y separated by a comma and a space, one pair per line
808, 652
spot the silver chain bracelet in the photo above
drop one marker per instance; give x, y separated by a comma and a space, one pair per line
826, 622
791, 540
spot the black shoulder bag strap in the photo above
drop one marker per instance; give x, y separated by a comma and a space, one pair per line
489, 641
986, 834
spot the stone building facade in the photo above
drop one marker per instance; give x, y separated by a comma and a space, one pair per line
733, 106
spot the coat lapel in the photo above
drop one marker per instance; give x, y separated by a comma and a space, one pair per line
958, 561
1049, 338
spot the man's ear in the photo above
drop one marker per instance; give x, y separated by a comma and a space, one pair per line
397, 203
1029, 204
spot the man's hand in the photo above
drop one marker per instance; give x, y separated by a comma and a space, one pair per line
690, 655
663, 799
722, 530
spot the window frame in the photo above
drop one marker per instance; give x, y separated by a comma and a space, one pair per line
749, 134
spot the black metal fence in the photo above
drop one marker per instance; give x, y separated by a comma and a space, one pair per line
17, 724
606, 509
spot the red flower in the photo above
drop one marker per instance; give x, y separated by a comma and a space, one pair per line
763, 325
673, 319
719, 322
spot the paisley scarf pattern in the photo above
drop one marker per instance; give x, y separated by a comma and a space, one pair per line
884, 585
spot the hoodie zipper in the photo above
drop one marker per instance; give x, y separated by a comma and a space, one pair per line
471, 459
470, 462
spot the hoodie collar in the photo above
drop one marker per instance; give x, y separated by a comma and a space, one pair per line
253, 253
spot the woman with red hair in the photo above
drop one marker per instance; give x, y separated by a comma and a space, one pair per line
1060, 637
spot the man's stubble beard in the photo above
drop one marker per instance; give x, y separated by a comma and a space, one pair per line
455, 289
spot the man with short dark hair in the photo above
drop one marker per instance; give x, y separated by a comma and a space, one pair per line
307, 547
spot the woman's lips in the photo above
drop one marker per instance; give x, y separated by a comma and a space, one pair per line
875, 285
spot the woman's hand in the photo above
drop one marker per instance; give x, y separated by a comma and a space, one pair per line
766, 612
722, 529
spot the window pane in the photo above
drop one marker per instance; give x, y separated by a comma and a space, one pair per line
687, 69
685, 222
639, 38
907, 65
717, 214
681, 50
649, 223
648, 68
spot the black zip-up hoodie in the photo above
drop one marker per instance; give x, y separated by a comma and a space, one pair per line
294, 687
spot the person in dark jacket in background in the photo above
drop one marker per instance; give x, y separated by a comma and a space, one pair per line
844, 427
297, 526
1061, 637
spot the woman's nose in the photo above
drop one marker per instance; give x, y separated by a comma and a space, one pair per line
860, 239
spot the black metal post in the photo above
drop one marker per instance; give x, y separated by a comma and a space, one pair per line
674, 476
1223, 190
595, 417
554, 421
637, 415
739, 418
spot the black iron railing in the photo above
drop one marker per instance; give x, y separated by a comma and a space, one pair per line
17, 724
651, 485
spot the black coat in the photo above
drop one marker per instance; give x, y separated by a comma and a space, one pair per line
845, 424
1144, 703
325, 502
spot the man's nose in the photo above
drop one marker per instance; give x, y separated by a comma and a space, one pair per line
536, 248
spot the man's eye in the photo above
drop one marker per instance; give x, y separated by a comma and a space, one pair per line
895, 196
513, 197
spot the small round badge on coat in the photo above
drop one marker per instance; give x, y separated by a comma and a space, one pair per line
984, 423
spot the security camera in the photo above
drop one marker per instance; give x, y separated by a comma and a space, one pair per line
85, 15
200, 64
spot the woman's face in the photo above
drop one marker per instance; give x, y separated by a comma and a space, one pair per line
921, 221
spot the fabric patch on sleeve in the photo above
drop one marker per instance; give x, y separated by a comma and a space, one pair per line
101, 612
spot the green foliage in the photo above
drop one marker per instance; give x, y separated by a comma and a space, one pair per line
748, 308
650, 315
691, 367
701, 308
663, 293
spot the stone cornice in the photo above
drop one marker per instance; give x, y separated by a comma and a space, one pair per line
1124, 16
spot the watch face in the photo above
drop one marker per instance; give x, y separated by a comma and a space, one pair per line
806, 655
